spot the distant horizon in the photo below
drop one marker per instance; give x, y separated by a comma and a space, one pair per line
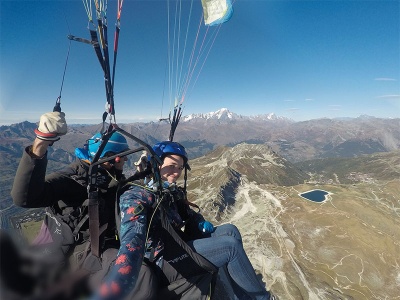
92, 121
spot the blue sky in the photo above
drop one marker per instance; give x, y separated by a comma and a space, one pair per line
298, 59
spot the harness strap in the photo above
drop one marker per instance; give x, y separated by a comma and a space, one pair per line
85, 253
93, 193
192, 204
152, 254
80, 224
94, 222
83, 220
96, 46
200, 260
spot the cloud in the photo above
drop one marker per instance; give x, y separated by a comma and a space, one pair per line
384, 79
394, 97
288, 100
308, 99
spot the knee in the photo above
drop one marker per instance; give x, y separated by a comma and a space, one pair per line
232, 230
234, 245
235, 232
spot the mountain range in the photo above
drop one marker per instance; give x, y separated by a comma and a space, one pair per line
202, 133
226, 114
296, 141
251, 171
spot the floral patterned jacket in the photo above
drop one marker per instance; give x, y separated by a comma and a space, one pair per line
140, 234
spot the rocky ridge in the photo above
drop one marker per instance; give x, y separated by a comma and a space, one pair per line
343, 248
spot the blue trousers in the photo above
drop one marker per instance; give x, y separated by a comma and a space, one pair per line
225, 249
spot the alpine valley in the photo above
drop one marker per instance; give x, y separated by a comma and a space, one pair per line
250, 171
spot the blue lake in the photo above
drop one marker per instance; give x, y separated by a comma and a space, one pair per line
315, 195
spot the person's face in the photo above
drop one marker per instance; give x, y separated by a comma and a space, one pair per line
172, 167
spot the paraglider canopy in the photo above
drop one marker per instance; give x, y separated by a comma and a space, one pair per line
216, 11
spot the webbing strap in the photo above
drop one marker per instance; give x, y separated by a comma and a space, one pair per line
79, 226
96, 46
200, 260
83, 220
94, 198
81, 257
94, 223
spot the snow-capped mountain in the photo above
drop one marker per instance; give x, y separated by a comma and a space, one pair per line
270, 116
226, 114
221, 114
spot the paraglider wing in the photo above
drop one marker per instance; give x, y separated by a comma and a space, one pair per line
216, 11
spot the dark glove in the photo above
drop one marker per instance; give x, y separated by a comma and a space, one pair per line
102, 178
206, 227
51, 126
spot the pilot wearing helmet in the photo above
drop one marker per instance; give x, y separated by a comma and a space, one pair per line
64, 233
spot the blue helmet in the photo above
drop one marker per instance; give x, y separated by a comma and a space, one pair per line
164, 148
117, 143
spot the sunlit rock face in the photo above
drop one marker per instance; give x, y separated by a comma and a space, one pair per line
346, 247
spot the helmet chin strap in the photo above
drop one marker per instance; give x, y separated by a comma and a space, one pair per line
170, 186
185, 177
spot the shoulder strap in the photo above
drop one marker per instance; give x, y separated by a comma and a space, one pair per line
82, 220
200, 260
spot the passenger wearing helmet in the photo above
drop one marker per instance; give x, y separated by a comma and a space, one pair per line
63, 194
141, 232
174, 159
136, 206
116, 144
